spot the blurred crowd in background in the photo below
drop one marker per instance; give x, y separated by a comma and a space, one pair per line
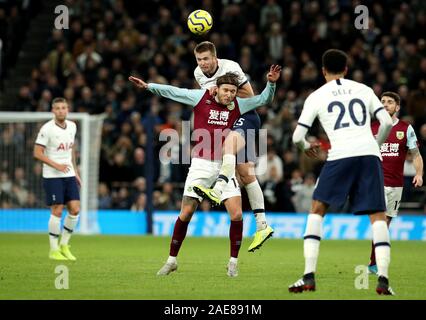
109, 40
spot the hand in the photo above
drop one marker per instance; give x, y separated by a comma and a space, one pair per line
213, 91
138, 82
63, 167
417, 181
274, 73
313, 151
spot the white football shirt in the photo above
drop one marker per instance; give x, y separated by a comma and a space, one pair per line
344, 108
58, 143
223, 66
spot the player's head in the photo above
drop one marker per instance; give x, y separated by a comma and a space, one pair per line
60, 108
227, 87
205, 54
334, 62
391, 101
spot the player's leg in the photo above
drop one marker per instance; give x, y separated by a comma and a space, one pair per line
72, 199
234, 141
382, 251
368, 197
233, 206
311, 244
330, 190
257, 204
393, 197
54, 199
189, 205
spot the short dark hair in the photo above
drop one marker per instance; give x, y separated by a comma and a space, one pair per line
205, 46
59, 100
392, 95
334, 61
228, 78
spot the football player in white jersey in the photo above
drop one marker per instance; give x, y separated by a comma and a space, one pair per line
353, 167
240, 141
54, 147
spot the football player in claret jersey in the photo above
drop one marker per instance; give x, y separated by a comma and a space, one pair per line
353, 168
239, 144
213, 116
54, 147
401, 139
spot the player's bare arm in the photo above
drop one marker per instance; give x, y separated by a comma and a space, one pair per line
245, 91
39, 155
418, 165
74, 163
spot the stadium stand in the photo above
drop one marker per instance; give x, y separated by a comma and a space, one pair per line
109, 40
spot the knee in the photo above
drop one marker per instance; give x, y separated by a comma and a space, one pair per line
74, 211
185, 215
237, 215
247, 178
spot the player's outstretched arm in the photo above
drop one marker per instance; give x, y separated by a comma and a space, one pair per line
267, 94
186, 96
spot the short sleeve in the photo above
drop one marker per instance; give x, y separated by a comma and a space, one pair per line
42, 137
242, 78
375, 104
309, 112
411, 138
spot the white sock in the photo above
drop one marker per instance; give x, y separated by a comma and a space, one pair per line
171, 260
69, 225
311, 242
227, 170
233, 260
54, 231
257, 204
382, 247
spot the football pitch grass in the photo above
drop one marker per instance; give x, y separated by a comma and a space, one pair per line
125, 267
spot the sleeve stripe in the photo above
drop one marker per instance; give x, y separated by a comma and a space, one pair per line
39, 144
375, 112
303, 125
243, 84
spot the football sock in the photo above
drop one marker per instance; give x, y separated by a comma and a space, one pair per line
235, 236
171, 260
68, 228
179, 233
227, 171
382, 247
257, 204
54, 227
311, 242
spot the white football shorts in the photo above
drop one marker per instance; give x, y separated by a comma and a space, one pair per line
204, 172
393, 197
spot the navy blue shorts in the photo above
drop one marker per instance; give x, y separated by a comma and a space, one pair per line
60, 190
248, 126
359, 178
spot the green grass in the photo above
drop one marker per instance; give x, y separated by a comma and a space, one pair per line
118, 267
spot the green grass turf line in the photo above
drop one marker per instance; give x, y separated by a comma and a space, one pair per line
124, 267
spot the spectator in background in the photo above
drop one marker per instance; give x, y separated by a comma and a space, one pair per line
303, 194
104, 197
139, 204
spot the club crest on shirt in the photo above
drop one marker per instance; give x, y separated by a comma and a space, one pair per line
231, 106
400, 135
208, 101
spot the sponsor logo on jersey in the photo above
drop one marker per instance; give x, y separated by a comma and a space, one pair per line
400, 135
